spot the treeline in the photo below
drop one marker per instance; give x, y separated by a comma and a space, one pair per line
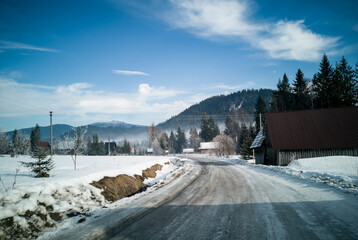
236, 138
330, 87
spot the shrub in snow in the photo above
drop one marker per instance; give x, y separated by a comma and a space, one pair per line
42, 166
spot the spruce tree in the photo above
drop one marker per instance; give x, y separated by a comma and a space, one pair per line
346, 84
283, 95
204, 128
260, 108
300, 92
35, 138
125, 148
42, 166
181, 141
16, 142
231, 128
323, 84
172, 142
244, 134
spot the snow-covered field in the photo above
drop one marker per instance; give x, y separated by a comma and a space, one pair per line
67, 190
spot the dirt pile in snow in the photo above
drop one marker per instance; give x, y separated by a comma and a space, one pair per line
121, 186
115, 188
150, 172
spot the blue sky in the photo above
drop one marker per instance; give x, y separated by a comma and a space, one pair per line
145, 61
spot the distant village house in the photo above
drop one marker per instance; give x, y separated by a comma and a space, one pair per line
207, 147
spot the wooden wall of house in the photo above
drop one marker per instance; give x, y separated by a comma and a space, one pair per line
285, 157
260, 155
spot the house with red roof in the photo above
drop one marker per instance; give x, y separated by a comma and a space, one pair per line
307, 134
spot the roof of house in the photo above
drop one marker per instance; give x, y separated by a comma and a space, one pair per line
208, 145
44, 144
188, 150
259, 139
314, 129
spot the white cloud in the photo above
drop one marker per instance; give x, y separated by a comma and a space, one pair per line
293, 41
16, 45
289, 40
217, 17
129, 73
147, 91
78, 99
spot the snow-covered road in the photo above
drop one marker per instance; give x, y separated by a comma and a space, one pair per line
229, 201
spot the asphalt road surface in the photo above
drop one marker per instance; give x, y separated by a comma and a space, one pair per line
228, 201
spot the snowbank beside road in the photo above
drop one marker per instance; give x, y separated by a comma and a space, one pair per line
36, 203
335, 165
337, 171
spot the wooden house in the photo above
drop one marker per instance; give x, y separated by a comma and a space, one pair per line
208, 147
307, 134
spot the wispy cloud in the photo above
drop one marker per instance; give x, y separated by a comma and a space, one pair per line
17, 45
293, 41
289, 40
125, 72
232, 87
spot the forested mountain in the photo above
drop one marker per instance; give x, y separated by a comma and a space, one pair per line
116, 133
218, 107
57, 131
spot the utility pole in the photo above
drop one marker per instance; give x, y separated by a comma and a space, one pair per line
260, 121
51, 132
109, 144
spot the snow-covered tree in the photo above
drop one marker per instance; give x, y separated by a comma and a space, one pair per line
4, 143
194, 139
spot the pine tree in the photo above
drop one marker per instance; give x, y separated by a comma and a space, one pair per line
322, 84
172, 142
214, 129
125, 148
300, 92
346, 84
42, 166
164, 141
181, 141
244, 134
246, 152
231, 128
208, 128
283, 95
204, 128
15, 142
35, 138
260, 108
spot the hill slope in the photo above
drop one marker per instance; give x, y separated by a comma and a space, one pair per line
218, 107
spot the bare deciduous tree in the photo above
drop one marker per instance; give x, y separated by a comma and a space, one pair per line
225, 145
75, 143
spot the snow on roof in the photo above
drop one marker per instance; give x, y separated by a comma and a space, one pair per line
188, 150
259, 139
208, 145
